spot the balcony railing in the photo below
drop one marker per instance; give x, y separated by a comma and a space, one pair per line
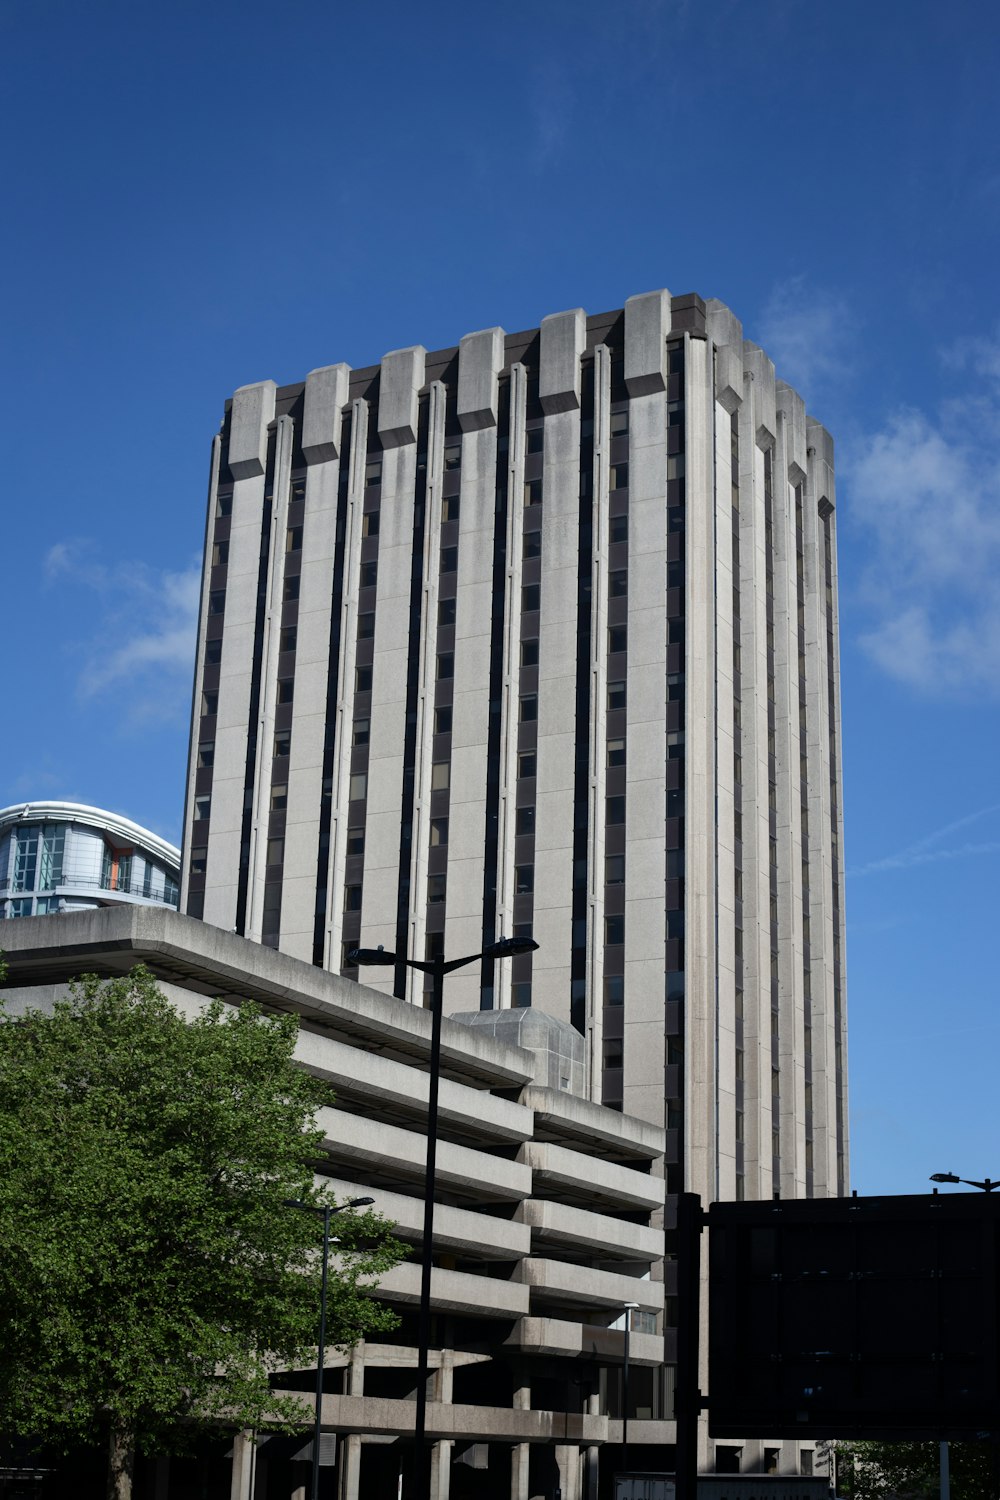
71, 883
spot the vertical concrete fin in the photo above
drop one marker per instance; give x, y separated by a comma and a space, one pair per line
480, 360
253, 409
326, 397
724, 327
647, 324
819, 447
761, 372
401, 379
563, 339
792, 408
729, 376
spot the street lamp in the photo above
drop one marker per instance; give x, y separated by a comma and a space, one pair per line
327, 1213
630, 1308
988, 1184
437, 967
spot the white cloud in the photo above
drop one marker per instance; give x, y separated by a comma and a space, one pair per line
923, 851
143, 642
926, 489
807, 331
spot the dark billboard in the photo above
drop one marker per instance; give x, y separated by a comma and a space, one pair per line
854, 1317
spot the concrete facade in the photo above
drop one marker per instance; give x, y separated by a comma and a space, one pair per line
539, 632
547, 1223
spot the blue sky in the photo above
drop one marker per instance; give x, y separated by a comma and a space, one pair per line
201, 195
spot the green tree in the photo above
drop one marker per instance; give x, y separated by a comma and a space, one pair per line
873, 1470
152, 1276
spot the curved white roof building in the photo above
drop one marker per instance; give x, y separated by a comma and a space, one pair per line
65, 856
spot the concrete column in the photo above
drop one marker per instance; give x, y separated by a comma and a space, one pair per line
520, 1457
244, 1455
592, 1457
568, 1461
598, 721
443, 1386
350, 1446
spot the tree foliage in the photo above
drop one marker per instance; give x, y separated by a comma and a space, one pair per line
873, 1470
152, 1275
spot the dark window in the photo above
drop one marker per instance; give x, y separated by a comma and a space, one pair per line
616, 752
210, 704
446, 664
291, 587
614, 989
450, 508
366, 625
615, 810
224, 504
534, 439
675, 575
619, 423
531, 597
618, 583
528, 708
216, 601
358, 786
614, 869
613, 1054
619, 476
282, 741
436, 888
369, 574
286, 689
202, 807
275, 851
524, 821
439, 831
362, 679
352, 898
279, 798
440, 776
529, 652
206, 753
616, 695
453, 456
446, 612
520, 997
199, 859
355, 841
618, 529
442, 720
373, 471
675, 687
213, 653
526, 762
362, 728
524, 879
617, 638
675, 804
288, 638
293, 539
533, 492
614, 930
369, 523
531, 545
449, 559
220, 554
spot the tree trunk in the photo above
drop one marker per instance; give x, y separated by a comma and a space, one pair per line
121, 1461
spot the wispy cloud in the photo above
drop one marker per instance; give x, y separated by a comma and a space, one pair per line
808, 331
142, 643
926, 489
551, 102
924, 852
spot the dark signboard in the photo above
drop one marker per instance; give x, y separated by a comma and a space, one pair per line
854, 1317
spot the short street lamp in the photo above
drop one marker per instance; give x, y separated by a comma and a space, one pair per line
988, 1184
437, 967
327, 1214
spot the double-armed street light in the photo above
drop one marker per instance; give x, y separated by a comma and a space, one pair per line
437, 967
988, 1185
327, 1213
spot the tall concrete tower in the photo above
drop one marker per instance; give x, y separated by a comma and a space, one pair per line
540, 633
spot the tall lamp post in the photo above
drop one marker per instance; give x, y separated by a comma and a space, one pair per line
437, 967
630, 1308
327, 1214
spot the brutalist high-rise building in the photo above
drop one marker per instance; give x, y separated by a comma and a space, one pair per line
539, 633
